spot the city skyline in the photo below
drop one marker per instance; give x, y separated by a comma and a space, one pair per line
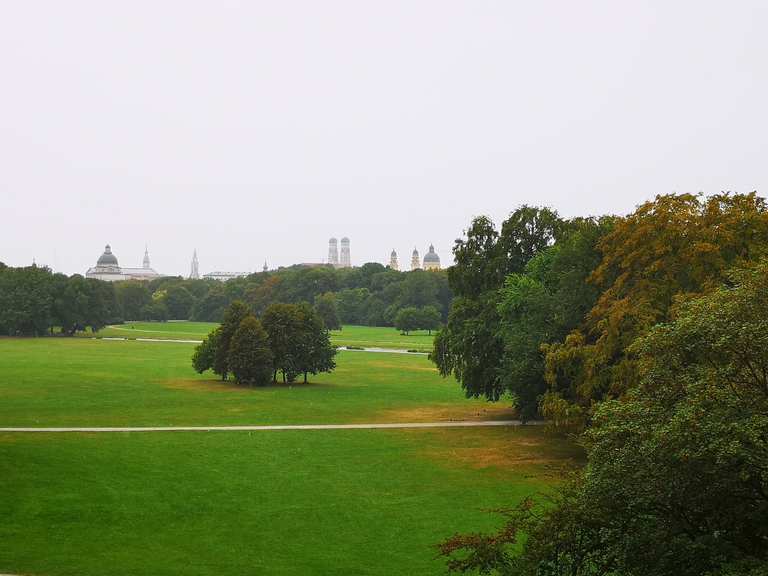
290, 121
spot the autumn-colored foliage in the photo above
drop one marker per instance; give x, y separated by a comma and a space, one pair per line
667, 251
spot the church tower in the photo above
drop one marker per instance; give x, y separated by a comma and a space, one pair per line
145, 263
393, 263
333, 252
194, 273
346, 260
415, 260
266, 268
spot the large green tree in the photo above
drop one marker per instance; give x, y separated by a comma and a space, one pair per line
233, 316
282, 323
544, 303
313, 351
470, 346
250, 358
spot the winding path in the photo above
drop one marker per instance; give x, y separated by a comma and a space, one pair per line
393, 425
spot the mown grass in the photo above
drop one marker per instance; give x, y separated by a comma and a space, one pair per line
79, 382
363, 336
284, 502
228, 504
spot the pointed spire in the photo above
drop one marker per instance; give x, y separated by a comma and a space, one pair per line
145, 264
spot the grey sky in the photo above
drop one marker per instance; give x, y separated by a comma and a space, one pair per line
257, 130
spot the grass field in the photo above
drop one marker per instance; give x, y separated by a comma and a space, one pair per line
363, 336
286, 502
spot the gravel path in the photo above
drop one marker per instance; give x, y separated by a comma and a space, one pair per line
448, 424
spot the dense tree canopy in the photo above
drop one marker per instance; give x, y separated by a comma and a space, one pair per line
34, 301
471, 346
669, 249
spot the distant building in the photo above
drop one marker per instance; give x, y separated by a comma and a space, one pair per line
345, 260
415, 260
224, 276
108, 269
431, 259
194, 272
266, 268
393, 263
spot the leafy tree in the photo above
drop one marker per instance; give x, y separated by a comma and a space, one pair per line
428, 318
205, 354
179, 301
281, 322
211, 307
233, 316
352, 305
408, 319
313, 351
26, 301
250, 358
155, 311
544, 304
132, 297
328, 309
471, 347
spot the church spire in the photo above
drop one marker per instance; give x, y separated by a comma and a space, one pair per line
194, 273
145, 264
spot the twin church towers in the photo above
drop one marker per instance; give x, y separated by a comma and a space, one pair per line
343, 261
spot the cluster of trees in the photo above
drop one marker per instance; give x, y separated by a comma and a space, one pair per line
677, 477
290, 339
412, 318
369, 295
546, 309
649, 334
34, 301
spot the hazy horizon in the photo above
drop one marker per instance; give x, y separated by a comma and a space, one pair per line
257, 132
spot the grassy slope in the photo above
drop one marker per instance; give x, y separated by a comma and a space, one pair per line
365, 336
69, 382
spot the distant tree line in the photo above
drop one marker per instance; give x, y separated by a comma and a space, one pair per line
34, 301
289, 339
648, 336
370, 295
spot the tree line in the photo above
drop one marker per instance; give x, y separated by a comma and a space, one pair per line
290, 339
34, 301
370, 295
648, 335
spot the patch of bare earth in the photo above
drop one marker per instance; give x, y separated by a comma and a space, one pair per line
447, 413
530, 451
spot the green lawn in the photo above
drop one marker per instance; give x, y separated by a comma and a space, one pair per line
223, 503
73, 381
363, 336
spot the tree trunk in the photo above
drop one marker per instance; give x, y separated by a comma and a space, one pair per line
305, 377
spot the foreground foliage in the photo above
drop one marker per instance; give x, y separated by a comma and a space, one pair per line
677, 480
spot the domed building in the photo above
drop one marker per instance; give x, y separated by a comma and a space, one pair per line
108, 269
431, 259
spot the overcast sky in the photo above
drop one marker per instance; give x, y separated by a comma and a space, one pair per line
257, 130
